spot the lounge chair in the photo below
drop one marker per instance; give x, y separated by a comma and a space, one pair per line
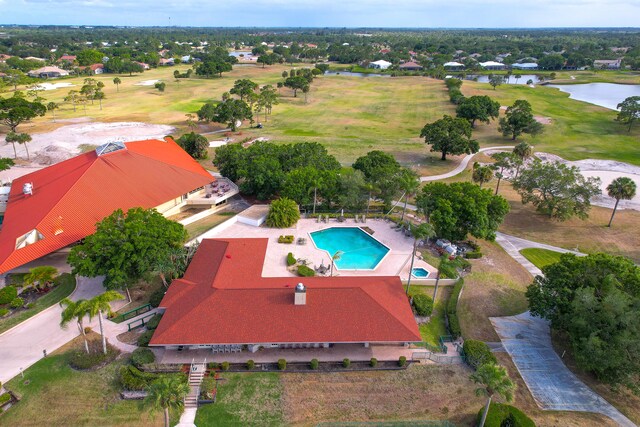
363, 219
356, 218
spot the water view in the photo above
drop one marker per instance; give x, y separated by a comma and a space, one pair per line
607, 95
349, 73
521, 80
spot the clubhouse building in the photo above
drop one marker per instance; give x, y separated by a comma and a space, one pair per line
57, 206
224, 304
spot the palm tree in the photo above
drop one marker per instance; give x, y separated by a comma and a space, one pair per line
523, 151
621, 188
167, 392
334, 258
39, 276
370, 188
482, 174
422, 231
317, 182
435, 290
97, 306
75, 310
494, 380
409, 183
117, 82
504, 161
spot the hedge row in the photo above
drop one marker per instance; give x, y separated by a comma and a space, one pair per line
505, 415
477, 353
305, 271
455, 94
423, 304
454, 324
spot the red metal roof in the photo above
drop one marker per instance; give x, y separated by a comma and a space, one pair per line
70, 197
223, 299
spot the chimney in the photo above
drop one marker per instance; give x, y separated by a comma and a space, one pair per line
301, 295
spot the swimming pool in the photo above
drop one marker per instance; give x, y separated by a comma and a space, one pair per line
420, 273
360, 250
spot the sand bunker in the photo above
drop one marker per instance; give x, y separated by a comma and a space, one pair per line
64, 142
53, 86
147, 83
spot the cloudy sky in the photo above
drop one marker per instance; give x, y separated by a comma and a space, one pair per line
326, 13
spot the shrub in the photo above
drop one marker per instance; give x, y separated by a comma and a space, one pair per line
206, 388
346, 363
291, 260
4, 398
142, 356
87, 329
283, 213
153, 322
501, 414
213, 365
452, 316
132, 378
8, 294
288, 239
225, 366
305, 271
251, 364
282, 364
473, 255
402, 361
17, 302
31, 305
423, 304
156, 297
4, 312
373, 362
79, 359
314, 364
143, 340
477, 353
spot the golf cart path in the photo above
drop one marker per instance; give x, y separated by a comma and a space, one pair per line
463, 164
513, 245
554, 387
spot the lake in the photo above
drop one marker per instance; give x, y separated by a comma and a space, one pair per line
607, 95
350, 74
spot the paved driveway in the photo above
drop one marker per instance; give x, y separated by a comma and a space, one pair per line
527, 339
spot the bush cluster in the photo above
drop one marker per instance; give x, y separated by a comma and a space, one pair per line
305, 271
17, 302
225, 366
505, 415
213, 365
423, 304
455, 94
314, 364
283, 213
346, 363
142, 356
288, 239
8, 294
291, 260
156, 297
79, 359
152, 324
251, 364
4, 312
452, 315
373, 362
4, 398
402, 361
477, 353
133, 379
473, 255
282, 364
143, 340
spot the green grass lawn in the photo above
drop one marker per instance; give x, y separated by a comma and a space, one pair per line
66, 283
541, 257
205, 224
251, 399
437, 327
57, 395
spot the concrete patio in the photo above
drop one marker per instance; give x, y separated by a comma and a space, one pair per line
396, 262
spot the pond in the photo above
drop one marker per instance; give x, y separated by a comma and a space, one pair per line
512, 80
607, 95
349, 73
237, 53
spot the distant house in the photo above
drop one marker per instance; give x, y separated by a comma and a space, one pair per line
385, 51
144, 65
312, 46
67, 58
97, 68
163, 52
410, 66
453, 65
380, 65
185, 59
525, 66
166, 61
33, 58
48, 72
607, 64
492, 65
4, 57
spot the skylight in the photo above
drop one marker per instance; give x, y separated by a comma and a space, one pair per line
110, 147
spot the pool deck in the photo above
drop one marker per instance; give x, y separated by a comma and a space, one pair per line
396, 262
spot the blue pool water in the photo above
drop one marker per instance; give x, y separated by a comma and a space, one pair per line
360, 250
420, 273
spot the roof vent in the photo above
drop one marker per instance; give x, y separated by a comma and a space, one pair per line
110, 147
27, 189
300, 295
